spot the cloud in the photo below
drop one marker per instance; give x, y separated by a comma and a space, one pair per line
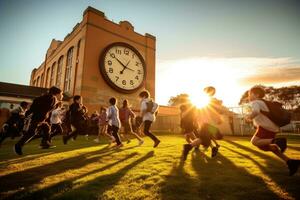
270, 75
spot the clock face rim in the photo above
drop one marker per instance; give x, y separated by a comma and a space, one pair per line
104, 73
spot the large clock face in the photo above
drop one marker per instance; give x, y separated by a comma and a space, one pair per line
122, 67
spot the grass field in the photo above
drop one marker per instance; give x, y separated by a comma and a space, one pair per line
85, 170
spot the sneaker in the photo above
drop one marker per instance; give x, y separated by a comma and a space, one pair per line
96, 140
281, 142
141, 142
65, 140
186, 149
18, 150
214, 151
293, 166
156, 143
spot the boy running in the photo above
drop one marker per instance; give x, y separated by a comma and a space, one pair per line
148, 115
114, 121
264, 137
36, 115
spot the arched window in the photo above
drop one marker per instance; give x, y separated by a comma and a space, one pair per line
42, 80
59, 72
68, 75
52, 74
47, 77
38, 81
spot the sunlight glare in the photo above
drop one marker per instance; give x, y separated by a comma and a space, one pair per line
200, 99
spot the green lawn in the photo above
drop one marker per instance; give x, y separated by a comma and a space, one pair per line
85, 170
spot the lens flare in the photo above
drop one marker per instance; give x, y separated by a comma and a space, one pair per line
200, 100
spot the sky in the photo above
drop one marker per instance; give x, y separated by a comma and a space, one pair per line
230, 44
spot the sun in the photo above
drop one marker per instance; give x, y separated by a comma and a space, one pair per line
200, 100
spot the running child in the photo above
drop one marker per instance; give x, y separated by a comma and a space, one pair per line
266, 130
114, 120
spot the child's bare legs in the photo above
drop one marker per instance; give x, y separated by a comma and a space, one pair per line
256, 141
266, 145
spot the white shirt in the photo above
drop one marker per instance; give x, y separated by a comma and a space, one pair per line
148, 116
113, 116
56, 116
262, 120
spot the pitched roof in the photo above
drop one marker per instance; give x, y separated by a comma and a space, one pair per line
25, 91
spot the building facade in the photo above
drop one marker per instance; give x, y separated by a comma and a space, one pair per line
100, 59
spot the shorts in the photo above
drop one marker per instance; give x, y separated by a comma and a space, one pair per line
264, 134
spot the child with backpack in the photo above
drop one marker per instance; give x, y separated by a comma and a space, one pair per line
266, 129
148, 110
126, 115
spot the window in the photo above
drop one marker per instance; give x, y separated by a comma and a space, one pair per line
38, 81
42, 80
47, 77
59, 72
68, 75
52, 75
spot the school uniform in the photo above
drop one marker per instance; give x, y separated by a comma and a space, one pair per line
148, 118
114, 122
56, 121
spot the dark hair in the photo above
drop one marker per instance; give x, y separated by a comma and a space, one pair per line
24, 104
125, 103
113, 101
76, 97
144, 94
54, 90
258, 91
210, 90
58, 104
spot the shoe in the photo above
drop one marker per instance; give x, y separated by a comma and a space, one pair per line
65, 140
141, 142
156, 143
293, 166
186, 150
214, 151
18, 150
281, 142
128, 141
96, 140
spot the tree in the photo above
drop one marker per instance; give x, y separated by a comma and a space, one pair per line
288, 96
179, 99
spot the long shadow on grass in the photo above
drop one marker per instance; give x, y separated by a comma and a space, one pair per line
65, 185
95, 188
220, 178
179, 184
276, 170
28, 178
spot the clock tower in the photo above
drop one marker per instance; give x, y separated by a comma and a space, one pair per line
118, 61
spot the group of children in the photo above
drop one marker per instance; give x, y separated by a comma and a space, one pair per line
44, 119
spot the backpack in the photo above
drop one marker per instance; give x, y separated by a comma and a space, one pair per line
277, 113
